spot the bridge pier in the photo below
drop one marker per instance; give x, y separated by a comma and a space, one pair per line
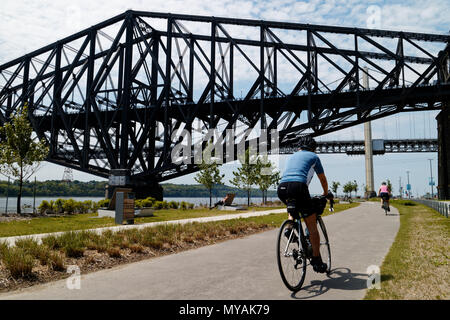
443, 125
142, 188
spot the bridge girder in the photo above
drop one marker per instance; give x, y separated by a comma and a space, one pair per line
124, 86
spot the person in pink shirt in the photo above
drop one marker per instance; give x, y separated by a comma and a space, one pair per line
383, 193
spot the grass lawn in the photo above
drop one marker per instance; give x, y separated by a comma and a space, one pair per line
90, 221
417, 265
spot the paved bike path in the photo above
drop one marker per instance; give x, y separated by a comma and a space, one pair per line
243, 268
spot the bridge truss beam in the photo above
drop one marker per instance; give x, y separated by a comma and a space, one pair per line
125, 86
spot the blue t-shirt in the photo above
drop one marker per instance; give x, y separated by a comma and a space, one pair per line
300, 167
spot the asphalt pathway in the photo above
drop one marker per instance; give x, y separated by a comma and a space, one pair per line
242, 268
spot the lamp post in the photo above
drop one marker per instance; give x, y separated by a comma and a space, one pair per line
431, 180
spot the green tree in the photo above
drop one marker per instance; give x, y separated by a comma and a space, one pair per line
266, 176
348, 188
335, 186
355, 187
209, 176
246, 175
20, 155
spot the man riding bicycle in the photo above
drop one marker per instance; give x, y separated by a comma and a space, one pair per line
299, 171
383, 193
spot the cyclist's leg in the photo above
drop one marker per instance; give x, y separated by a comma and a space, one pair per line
314, 237
310, 218
282, 192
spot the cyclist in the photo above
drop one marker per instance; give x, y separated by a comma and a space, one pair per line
383, 193
299, 171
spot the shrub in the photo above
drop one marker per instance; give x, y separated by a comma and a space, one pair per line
56, 262
114, 252
165, 205
136, 248
138, 203
158, 205
88, 206
103, 203
69, 206
94, 207
19, 263
31, 247
3, 248
52, 242
173, 205
183, 205
190, 205
44, 207
148, 202
72, 243
74, 250
58, 205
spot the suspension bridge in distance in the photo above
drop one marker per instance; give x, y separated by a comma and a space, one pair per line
108, 99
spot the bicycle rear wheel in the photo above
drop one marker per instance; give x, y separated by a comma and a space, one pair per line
291, 260
325, 250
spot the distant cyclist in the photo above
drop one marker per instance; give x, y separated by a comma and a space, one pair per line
299, 171
384, 193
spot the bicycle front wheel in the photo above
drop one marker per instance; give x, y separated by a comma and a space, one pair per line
291, 259
325, 250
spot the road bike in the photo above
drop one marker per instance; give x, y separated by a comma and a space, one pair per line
385, 207
294, 250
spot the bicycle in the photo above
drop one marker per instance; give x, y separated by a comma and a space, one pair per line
385, 207
294, 256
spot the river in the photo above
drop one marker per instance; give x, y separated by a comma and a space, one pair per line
27, 202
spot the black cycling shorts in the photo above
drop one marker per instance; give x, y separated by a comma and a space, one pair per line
298, 191
384, 195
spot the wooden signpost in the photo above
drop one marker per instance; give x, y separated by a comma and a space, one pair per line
122, 202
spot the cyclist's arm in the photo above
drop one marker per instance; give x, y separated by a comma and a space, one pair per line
321, 175
323, 182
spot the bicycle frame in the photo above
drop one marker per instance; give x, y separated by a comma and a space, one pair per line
301, 239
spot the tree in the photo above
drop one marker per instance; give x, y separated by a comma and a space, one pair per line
355, 187
245, 176
335, 186
266, 176
209, 176
20, 155
348, 188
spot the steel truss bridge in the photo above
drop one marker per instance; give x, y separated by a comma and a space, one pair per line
112, 96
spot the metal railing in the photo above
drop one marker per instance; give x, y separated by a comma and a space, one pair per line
442, 207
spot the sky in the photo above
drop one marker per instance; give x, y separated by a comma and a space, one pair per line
29, 25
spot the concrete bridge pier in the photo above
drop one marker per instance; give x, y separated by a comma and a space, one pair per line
142, 188
443, 125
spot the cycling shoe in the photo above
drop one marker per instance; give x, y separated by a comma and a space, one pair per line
318, 265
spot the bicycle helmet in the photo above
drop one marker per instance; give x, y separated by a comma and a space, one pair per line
308, 143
